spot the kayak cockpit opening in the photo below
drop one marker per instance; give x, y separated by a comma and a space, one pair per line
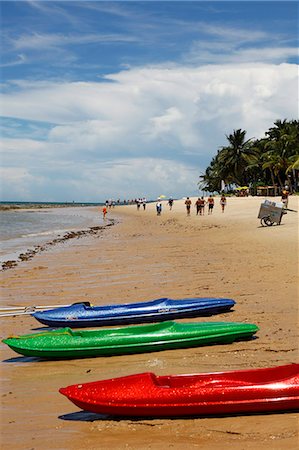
197, 381
88, 304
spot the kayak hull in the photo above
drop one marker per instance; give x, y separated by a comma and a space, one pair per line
66, 343
148, 395
80, 315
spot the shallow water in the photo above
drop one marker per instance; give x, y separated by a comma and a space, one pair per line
25, 229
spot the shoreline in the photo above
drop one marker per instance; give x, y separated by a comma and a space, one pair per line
25, 206
143, 257
30, 253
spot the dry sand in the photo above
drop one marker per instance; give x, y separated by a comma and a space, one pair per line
141, 258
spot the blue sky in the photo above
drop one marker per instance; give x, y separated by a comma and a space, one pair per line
125, 99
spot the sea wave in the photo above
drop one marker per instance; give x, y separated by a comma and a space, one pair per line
44, 233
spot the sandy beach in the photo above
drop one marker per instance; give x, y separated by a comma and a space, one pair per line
142, 257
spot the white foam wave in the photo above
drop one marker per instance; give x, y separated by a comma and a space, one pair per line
44, 233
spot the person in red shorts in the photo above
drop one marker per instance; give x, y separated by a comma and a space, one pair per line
223, 202
211, 204
188, 205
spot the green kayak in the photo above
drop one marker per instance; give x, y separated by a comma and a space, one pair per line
66, 343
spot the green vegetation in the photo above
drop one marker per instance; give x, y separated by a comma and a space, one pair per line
270, 161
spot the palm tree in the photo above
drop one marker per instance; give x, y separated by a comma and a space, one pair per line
294, 160
211, 180
272, 158
236, 157
282, 150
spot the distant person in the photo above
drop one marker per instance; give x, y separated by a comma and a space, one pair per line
202, 206
170, 203
144, 203
159, 207
197, 206
188, 204
285, 197
223, 202
104, 211
211, 204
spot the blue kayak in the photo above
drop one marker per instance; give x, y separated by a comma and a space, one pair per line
84, 314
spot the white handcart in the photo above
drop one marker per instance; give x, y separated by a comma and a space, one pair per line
272, 212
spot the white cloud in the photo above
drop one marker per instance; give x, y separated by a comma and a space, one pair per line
156, 126
233, 33
138, 177
138, 96
20, 59
165, 122
42, 41
119, 178
204, 52
17, 183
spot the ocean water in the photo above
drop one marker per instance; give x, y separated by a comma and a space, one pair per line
21, 230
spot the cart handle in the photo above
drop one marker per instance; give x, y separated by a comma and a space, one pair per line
288, 209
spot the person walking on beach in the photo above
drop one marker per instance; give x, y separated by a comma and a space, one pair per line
188, 204
223, 202
197, 206
144, 203
159, 207
285, 197
211, 204
170, 203
202, 206
104, 211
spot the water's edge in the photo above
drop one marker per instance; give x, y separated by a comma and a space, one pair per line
30, 253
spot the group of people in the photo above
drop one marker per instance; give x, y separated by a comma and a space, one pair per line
201, 203
111, 204
139, 202
159, 205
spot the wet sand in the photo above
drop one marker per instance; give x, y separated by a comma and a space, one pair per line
144, 257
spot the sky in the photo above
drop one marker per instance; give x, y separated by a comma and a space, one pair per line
133, 99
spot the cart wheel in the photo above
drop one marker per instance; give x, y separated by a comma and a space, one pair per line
266, 221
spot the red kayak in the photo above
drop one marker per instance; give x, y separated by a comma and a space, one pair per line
149, 395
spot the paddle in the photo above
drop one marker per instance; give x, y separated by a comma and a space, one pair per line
23, 310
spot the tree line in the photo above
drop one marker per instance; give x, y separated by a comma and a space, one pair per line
270, 161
